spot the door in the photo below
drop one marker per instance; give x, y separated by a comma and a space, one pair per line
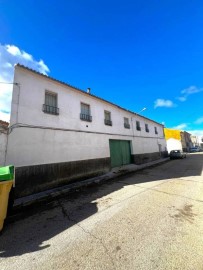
126, 153
119, 152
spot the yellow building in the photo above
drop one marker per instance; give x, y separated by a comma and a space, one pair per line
173, 139
177, 140
172, 133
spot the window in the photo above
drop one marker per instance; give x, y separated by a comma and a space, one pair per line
155, 130
107, 118
146, 128
50, 105
126, 123
85, 113
138, 125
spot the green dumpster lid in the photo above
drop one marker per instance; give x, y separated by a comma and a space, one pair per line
7, 173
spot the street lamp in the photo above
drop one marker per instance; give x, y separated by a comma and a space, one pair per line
142, 110
132, 119
15, 83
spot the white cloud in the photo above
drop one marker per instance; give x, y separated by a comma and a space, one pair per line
199, 120
182, 99
189, 91
197, 132
12, 50
181, 126
4, 116
163, 103
9, 56
42, 67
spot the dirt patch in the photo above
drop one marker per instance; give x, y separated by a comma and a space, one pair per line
185, 214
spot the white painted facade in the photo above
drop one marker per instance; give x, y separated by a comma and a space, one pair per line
40, 138
194, 140
3, 144
173, 144
199, 141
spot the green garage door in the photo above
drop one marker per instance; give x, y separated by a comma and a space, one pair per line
120, 152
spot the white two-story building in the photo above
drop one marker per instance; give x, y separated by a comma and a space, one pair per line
59, 134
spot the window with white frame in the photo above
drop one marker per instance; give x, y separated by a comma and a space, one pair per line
50, 104
107, 118
85, 112
155, 130
146, 128
138, 127
126, 122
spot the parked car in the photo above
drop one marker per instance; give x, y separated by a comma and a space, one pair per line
177, 154
194, 149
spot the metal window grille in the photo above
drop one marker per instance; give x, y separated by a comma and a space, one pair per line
107, 122
138, 125
107, 118
155, 130
86, 117
146, 128
126, 123
50, 105
85, 113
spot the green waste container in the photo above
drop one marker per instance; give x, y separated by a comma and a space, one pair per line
7, 180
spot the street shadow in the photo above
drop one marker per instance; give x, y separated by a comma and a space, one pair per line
33, 229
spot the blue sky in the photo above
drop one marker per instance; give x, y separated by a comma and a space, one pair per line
133, 53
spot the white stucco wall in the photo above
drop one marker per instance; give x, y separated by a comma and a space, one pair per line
3, 142
30, 146
40, 146
173, 144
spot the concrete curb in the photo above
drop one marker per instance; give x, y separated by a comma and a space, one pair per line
29, 201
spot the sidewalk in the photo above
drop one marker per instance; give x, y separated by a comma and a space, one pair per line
48, 195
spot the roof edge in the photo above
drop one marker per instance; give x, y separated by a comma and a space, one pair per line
4, 123
83, 92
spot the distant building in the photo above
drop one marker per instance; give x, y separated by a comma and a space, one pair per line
201, 142
195, 140
186, 141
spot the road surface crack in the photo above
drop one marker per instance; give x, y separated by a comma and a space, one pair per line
67, 215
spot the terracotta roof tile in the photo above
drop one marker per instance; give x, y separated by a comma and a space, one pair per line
4, 123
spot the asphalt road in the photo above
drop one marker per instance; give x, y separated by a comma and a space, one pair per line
152, 219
